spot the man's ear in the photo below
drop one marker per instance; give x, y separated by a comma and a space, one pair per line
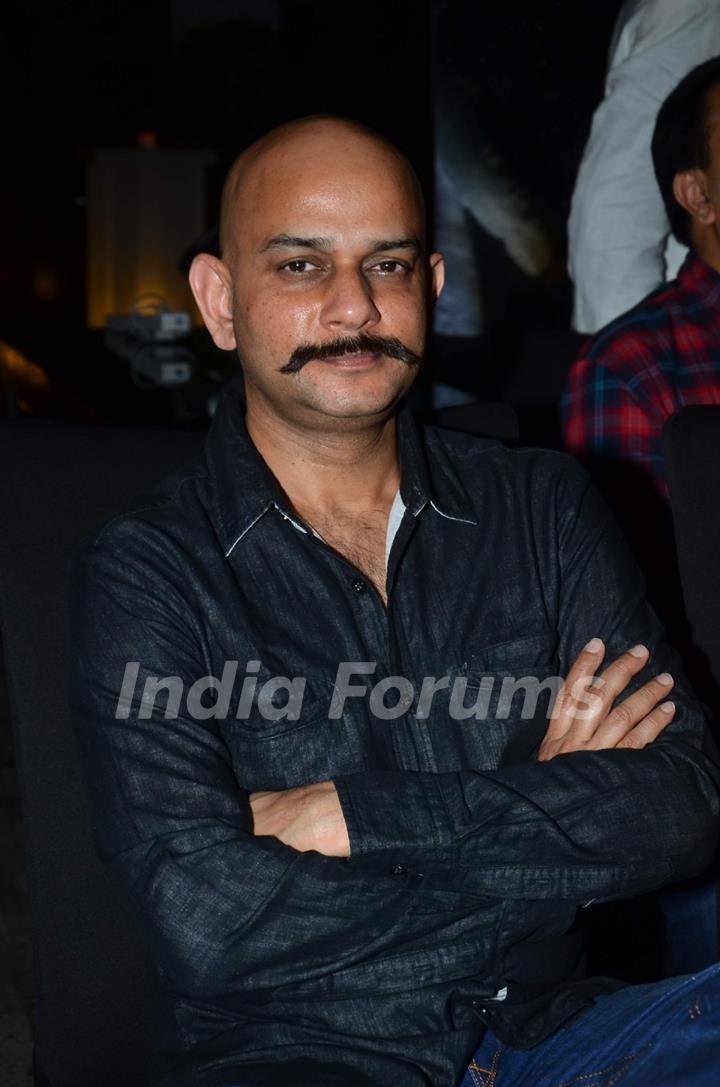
690, 189
437, 275
212, 286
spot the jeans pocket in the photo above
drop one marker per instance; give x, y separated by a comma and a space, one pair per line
484, 1076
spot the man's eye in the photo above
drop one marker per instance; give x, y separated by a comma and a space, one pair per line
390, 267
297, 266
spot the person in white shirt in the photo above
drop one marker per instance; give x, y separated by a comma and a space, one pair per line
620, 246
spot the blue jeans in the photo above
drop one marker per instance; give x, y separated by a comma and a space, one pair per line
691, 926
666, 1034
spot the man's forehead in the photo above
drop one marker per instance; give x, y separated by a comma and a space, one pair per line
371, 218
322, 181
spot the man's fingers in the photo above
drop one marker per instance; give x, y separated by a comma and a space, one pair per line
587, 663
613, 681
588, 702
573, 698
632, 711
585, 716
650, 727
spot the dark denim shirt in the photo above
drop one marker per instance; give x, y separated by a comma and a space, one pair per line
469, 858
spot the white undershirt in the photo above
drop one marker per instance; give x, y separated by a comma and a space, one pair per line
397, 511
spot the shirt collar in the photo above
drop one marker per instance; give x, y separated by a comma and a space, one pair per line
697, 278
243, 488
428, 473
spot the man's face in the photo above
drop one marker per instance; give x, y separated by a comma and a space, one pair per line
326, 254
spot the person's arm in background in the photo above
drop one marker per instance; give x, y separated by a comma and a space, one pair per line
604, 420
618, 227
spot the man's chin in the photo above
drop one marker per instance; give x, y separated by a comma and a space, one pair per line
361, 393
355, 408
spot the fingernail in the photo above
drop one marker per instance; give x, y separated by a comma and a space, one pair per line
665, 678
667, 707
638, 651
593, 646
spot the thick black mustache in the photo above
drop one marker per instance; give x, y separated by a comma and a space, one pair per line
353, 345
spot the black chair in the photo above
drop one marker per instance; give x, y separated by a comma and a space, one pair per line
93, 979
483, 418
691, 444
691, 447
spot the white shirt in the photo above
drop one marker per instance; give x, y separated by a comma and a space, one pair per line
620, 246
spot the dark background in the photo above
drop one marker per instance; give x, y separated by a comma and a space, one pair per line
91, 73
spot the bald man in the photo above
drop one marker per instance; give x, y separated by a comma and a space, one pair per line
312, 679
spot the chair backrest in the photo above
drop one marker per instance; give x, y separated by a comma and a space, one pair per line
93, 979
691, 443
483, 418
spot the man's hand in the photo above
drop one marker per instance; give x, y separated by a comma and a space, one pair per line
309, 817
584, 717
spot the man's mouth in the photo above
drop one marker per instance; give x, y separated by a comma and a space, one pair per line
355, 360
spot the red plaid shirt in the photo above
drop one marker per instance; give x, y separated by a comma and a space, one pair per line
644, 366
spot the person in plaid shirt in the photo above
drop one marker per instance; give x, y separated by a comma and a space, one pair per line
637, 372
664, 352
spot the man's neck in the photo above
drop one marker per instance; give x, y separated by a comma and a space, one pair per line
330, 471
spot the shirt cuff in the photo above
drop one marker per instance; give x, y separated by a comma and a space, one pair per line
390, 810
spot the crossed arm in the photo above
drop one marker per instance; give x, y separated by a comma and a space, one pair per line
585, 718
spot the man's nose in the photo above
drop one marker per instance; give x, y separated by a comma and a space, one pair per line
348, 304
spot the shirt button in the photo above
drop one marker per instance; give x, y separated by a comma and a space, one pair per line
399, 870
359, 585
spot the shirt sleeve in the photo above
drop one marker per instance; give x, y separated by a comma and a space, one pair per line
224, 912
603, 418
584, 825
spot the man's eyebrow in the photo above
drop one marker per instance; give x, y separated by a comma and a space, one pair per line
290, 241
410, 242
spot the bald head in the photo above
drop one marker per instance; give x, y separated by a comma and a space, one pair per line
303, 150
